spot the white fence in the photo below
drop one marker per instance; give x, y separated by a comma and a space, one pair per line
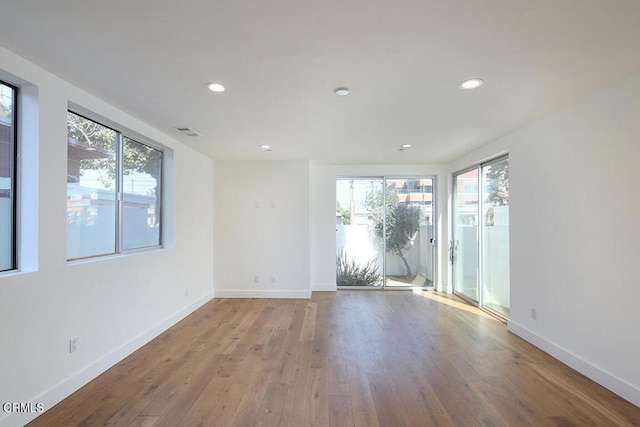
495, 262
359, 242
6, 242
91, 216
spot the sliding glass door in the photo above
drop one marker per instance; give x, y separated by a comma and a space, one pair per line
479, 249
464, 245
385, 232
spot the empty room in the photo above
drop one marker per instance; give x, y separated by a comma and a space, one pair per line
365, 213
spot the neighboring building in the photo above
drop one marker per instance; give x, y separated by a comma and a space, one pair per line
5, 154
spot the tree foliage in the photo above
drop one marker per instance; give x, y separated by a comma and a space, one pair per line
497, 179
137, 157
5, 111
344, 212
399, 226
6, 101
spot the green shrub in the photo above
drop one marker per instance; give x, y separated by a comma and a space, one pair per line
350, 273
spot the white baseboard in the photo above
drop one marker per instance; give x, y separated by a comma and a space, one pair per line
255, 293
324, 287
606, 379
439, 287
65, 388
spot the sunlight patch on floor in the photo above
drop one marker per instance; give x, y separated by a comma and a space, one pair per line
453, 303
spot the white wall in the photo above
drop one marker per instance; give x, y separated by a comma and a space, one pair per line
574, 225
262, 229
323, 215
113, 305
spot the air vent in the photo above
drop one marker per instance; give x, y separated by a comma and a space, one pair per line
188, 131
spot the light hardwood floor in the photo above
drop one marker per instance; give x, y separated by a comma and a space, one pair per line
350, 358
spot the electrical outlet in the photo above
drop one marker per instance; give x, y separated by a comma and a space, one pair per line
186, 292
273, 279
256, 279
73, 344
534, 313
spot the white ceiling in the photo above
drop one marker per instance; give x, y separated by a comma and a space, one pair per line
281, 59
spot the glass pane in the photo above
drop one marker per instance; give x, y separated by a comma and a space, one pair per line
91, 188
141, 187
495, 237
409, 231
359, 232
465, 235
7, 200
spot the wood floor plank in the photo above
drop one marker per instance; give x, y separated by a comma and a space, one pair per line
250, 403
143, 421
317, 413
272, 409
364, 410
297, 400
185, 386
419, 403
341, 359
340, 411
309, 323
216, 404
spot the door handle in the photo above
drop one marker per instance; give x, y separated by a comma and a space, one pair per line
453, 246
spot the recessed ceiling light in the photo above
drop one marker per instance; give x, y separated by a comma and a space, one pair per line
342, 91
407, 145
265, 147
215, 87
470, 84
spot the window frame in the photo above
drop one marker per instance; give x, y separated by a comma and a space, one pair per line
123, 133
13, 175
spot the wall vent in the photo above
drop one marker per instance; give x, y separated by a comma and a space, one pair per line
188, 131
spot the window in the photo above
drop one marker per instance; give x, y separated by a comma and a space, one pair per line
8, 147
113, 190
